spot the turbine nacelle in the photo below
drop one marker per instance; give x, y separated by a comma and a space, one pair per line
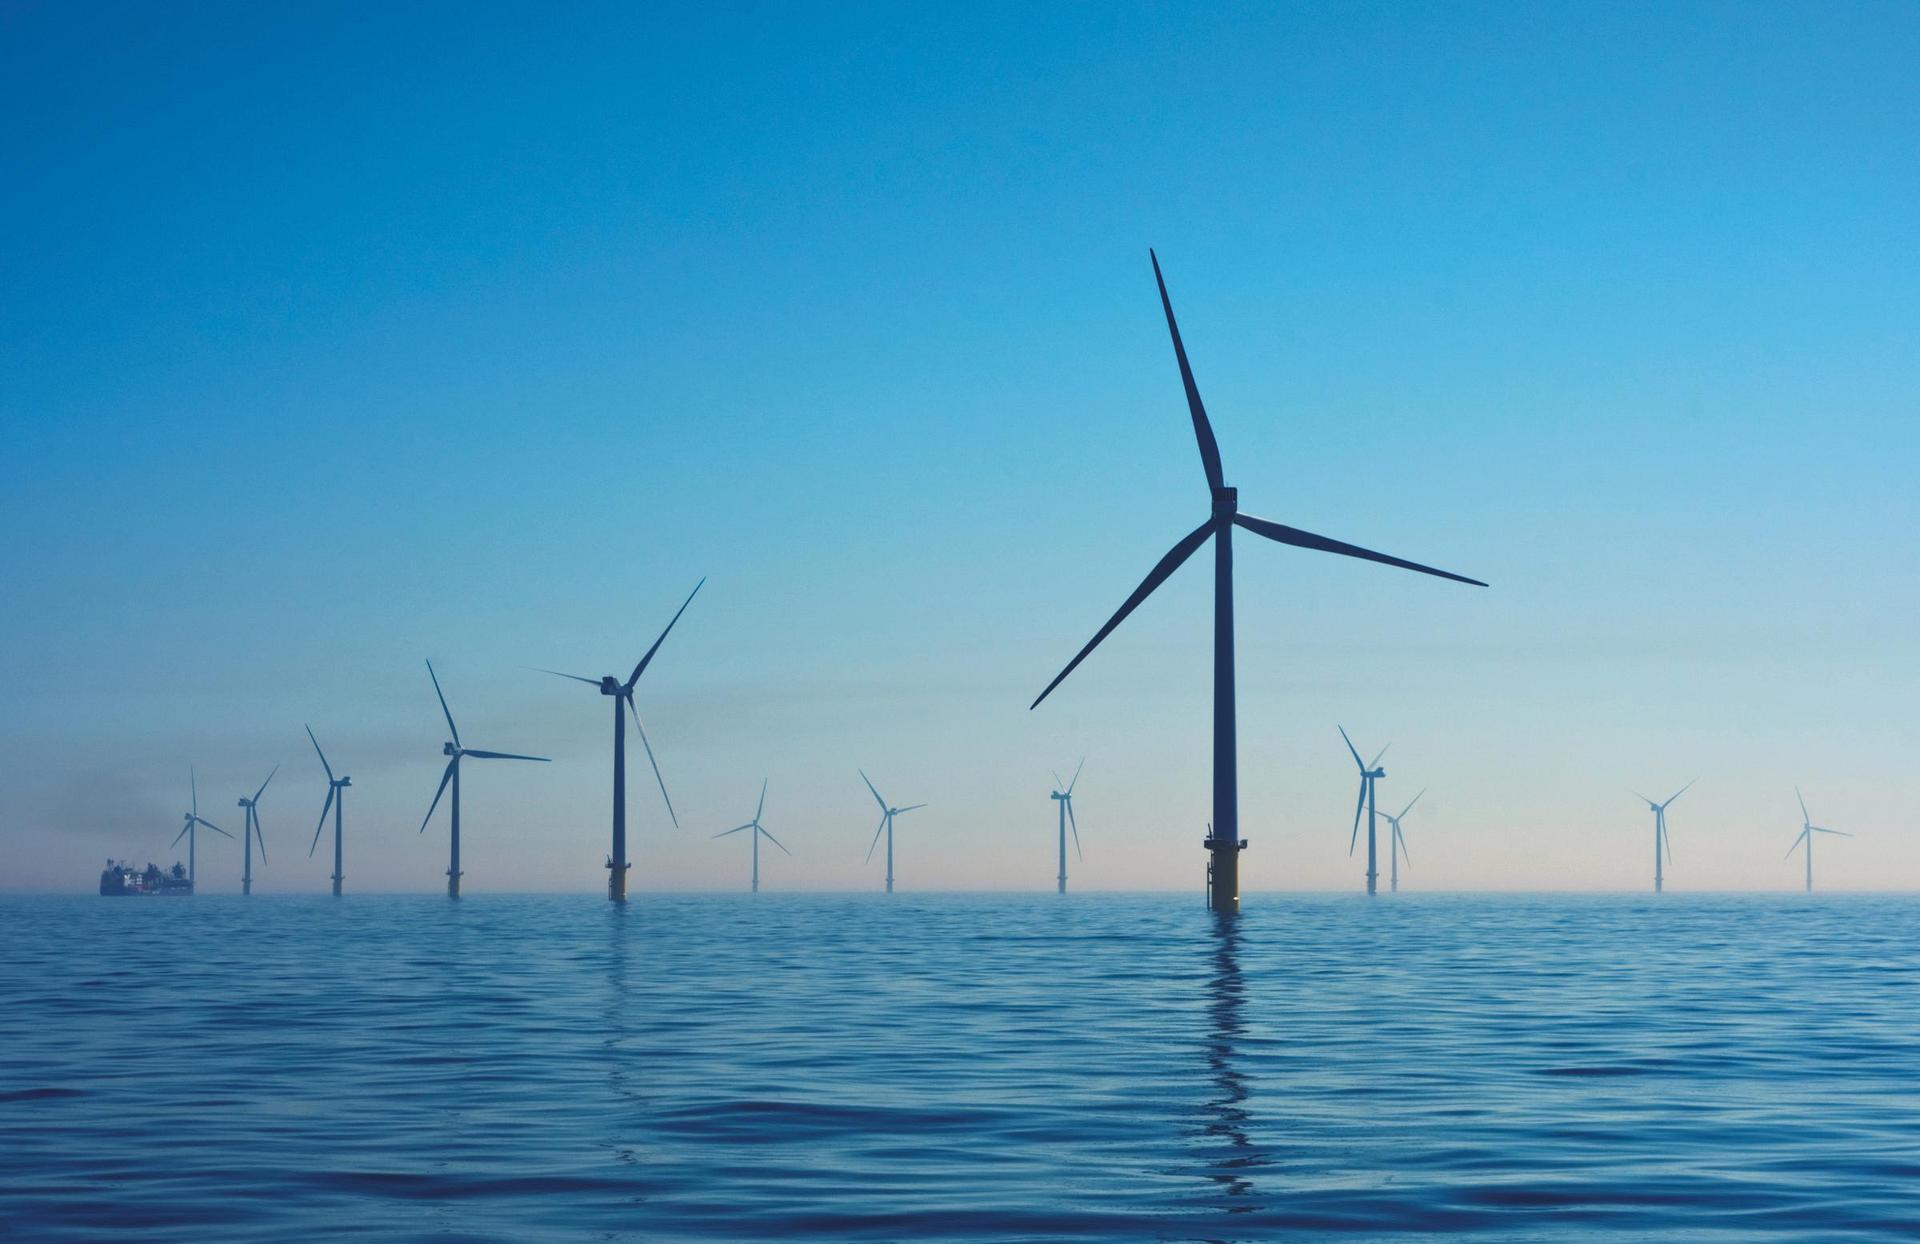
342, 781
609, 685
1226, 503
449, 749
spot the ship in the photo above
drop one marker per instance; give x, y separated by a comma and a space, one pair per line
121, 878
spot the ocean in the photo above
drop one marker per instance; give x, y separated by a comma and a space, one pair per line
960, 1067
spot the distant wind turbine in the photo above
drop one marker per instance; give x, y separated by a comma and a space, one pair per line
759, 831
1369, 774
455, 751
1223, 840
1660, 837
622, 693
886, 825
1063, 795
251, 834
336, 800
1807, 830
1399, 843
193, 819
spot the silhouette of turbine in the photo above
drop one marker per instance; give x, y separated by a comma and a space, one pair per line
336, 800
759, 831
1660, 837
1223, 841
454, 751
251, 834
886, 824
1398, 845
1369, 774
1807, 830
1063, 795
622, 693
193, 819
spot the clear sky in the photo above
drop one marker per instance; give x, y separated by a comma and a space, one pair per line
336, 337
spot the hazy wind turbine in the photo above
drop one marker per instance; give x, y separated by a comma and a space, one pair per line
622, 693
759, 831
193, 819
1369, 774
1223, 841
251, 834
1807, 830
455, 751
1660, 838
1398, 846
886, 824
336, 800
1063, 795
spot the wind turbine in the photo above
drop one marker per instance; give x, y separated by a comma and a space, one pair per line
622, 693
1807, 830
193, 819
1223, 840
1369, 774
759, 831
1660, 838
336, 800
252, 834
1399, 844
1064, 797
886, 823
454, 751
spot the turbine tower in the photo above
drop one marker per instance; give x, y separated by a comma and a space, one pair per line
1223, 841
1369, 774
251, 834
886, 824
759, 831
454, 751
1399, 844
1660, 838
622, 693
1807, 830
336, 799
1063, 795
193, 819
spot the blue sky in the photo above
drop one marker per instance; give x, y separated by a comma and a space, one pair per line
336, 339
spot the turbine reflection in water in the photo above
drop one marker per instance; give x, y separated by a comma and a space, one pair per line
1231, 1156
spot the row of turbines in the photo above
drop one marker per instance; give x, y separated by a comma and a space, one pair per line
1223, 842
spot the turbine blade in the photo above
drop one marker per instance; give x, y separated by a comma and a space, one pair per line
324, 809
1359, 806
876, 794
1307, 540
259, 836
323, 755
479, 755
541, 669
443, 704
1642, 798
177, 837
762, 805
1075, 825
909, 808
775, 841
1058, 785
1806, 817
876, 838
1202, 429
215, 828
641, 668
641, 727
1676, 794
1155, 577
1410, 803
263, 787
1838, 833
444, 779
1400, 840
193, 783
1375, 762
1795, 846
1076, 775
736, 829
1351, 748
1668, 839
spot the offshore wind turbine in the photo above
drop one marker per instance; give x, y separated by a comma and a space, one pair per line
622, 693
1063, 795
1398, 846
886, 824
454, 751
759, 831
194, 819
252, 834
1807, 830
1660, 838
1369, 774
336, 799
1223, 841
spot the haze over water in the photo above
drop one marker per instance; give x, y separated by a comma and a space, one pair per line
960, 1068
